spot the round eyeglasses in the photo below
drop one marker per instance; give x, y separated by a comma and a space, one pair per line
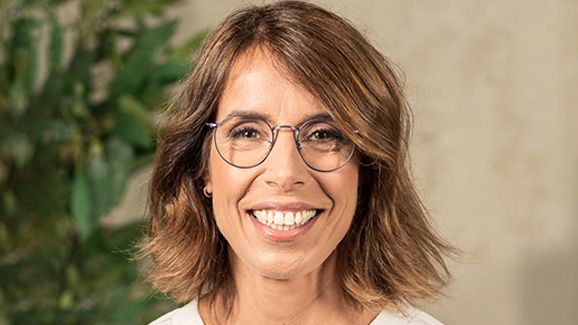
245, 141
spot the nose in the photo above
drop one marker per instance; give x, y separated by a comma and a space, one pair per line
285, 169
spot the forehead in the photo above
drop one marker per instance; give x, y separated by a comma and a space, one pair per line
259, 84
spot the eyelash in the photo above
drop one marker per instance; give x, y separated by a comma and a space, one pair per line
330, 132
239, 131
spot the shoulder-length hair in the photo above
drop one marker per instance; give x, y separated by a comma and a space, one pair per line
391, 254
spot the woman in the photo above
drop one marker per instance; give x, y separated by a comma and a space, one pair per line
281, 191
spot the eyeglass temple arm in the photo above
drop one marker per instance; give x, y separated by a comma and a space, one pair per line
211, 125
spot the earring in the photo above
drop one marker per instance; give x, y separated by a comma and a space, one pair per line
207, 193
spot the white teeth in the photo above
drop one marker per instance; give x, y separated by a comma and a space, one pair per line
260, 215
289, 219
279, 218
269, 217
308, 214
279, 221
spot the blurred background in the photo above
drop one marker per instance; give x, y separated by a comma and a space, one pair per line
494, 150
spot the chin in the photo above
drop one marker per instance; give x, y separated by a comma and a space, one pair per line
282, 267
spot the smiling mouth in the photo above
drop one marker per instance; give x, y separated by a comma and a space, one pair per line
284, 221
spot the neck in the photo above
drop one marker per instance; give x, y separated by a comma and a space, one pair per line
314, 298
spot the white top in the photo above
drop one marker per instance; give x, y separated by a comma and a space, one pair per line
189, 315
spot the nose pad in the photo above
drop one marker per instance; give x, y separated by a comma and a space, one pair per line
290, 144
284, 166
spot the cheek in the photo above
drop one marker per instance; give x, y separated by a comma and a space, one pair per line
229, 185
342, 188
348, 193
344, 185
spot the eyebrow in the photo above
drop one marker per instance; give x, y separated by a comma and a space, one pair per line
267, 117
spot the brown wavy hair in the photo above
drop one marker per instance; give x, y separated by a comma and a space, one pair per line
391, 254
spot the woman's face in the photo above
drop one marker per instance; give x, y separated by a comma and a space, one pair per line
282, 185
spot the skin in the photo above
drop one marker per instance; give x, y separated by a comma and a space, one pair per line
280, 279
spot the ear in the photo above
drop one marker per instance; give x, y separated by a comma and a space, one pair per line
208, 180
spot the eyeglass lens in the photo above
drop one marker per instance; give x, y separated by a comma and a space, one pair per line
245, 142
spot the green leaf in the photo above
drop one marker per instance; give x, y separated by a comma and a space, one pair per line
91, 8
18, 96
55, 43
23, 52
132, 107
162, 76
124, 237
81, 206
131, 131
148, 44
79, 71
120, 159
97, 172
169, 72
51, 94
132, 122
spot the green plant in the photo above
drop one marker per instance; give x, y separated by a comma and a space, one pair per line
77, 104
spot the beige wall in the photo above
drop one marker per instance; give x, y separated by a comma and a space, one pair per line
493, 85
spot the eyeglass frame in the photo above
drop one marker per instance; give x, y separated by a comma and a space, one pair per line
272, 142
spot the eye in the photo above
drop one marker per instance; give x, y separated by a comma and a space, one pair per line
324, 135
323, 132
245, 129
244, 132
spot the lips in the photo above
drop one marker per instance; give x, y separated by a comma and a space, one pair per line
284, 221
